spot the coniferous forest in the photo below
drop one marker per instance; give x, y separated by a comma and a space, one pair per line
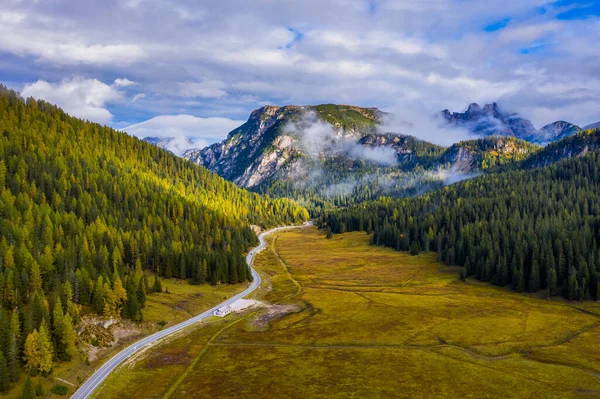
531, 230
85, 210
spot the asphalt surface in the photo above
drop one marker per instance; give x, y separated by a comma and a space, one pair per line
100, 375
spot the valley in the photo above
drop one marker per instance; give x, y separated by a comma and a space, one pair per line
344, 318
299, 199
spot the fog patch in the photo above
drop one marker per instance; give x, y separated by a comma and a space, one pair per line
318, 138
424, 125
452, 174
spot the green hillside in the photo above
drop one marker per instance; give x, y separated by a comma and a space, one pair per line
533, 230
85, 209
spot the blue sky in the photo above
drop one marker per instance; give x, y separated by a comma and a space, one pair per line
197, 69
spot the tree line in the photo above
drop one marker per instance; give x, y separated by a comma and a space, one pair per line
531, 230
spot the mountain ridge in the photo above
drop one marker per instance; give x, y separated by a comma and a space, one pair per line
492, 120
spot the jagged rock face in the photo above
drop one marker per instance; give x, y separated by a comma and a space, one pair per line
491, 121
271, 140
471, 155
558, 130
251, 151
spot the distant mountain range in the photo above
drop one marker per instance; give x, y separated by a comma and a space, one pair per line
592, 126
341, 151
491, 120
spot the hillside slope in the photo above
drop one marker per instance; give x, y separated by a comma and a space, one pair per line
532, 229
337, 154
570, 147
278, 138
84, 209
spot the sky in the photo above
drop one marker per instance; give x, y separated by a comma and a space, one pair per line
198, 68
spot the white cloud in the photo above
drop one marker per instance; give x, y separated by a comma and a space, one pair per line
528, 32
56, 50
124, 82
201, 131
80, 97
221, 58
138, 97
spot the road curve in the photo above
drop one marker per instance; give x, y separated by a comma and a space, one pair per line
100, 375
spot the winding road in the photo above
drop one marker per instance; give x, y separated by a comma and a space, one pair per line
100, 375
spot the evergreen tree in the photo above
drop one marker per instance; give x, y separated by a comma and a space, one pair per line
28, 389
38, 351
98, 298
551, 282
4, 378
39, 388
141, 293
157, 286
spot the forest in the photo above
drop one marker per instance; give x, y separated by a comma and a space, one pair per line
533, 230
87, 213
334, 182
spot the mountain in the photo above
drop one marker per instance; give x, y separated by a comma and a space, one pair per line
278, 140
85, 210
491, 120
592, 126
177, 145
486, 153
336, 154
557, 131
573, 146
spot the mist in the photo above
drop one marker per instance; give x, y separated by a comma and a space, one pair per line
452, 174
318, 138
424, 125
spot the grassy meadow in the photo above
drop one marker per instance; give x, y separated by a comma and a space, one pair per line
345, 319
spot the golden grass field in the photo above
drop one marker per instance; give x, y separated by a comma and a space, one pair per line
353, 320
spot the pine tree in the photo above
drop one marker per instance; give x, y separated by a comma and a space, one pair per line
551, 282
141, 293
534, 276
35, 278
571, 287
39, 388
157, 286
98, 298
68, 338
4, 378
519, 280
12, 359
182, 268
38, 351
28, 389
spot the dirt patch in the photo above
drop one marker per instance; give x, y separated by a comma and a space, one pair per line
274, 312
169, 359
97, 334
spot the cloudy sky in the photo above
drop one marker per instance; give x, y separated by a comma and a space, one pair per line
198, 68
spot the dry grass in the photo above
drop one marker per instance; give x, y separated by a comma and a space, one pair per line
372, 322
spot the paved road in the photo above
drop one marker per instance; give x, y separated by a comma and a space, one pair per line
100, 375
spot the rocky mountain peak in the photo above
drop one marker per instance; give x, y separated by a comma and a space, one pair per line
492, 120
473, 108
